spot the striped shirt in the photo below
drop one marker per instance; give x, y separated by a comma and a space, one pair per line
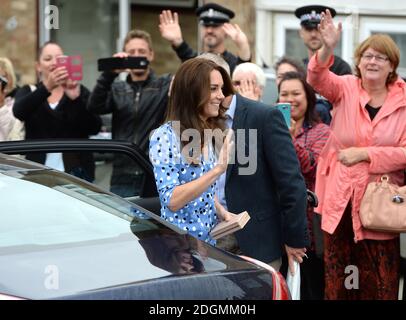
308, 144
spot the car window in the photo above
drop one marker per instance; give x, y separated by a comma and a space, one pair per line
45, 207
60, 236
114, 172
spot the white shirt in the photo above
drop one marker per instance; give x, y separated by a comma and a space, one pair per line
54, 160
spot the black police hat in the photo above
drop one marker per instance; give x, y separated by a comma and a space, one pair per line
310, 16
212, 14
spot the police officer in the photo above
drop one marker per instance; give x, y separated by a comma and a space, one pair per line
310, 17
216, 26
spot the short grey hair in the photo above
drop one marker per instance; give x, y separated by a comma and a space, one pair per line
217, 59
255, 69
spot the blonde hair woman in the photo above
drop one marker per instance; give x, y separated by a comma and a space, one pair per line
10, 127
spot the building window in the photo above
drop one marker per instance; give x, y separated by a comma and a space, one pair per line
288, 41
394, 27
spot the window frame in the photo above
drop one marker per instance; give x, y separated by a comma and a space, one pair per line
369, 24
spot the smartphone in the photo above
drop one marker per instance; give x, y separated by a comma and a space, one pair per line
285, 109
73, 65
116, 63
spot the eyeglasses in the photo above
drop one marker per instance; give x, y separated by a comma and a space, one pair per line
369, 57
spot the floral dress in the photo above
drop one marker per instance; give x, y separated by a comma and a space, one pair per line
171, 169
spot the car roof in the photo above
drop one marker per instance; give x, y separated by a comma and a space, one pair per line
14, 163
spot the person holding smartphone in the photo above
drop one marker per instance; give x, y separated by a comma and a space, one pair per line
56, 108
309, 136
137, 105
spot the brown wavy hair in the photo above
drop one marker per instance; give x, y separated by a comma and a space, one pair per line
190, 93
383, 44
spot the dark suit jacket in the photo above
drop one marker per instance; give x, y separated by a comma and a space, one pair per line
275, 194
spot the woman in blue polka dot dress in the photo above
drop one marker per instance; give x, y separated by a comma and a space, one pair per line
186, 169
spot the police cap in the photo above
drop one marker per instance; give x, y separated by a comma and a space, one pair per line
310, 16
212, 14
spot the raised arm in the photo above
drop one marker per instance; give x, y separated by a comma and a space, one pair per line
319, 77
234, 32
172, 193
170, 28
330, 36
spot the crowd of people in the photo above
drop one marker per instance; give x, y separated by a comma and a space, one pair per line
346, 129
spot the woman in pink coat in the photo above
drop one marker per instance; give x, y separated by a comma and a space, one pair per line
368, 139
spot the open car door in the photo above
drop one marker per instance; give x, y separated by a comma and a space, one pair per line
119, 167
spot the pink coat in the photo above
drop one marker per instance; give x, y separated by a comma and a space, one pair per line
351, 126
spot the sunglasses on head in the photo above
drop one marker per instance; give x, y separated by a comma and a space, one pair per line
3, 83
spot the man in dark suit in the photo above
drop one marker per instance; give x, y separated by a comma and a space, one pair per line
266, 181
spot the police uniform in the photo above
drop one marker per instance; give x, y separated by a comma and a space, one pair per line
310, 17
211, 14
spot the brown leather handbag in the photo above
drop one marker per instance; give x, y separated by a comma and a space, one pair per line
383, 207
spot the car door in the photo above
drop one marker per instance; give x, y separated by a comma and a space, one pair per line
119, 167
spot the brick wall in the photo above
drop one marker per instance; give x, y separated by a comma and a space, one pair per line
18, 36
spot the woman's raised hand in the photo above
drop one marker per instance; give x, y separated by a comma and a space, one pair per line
226, 152
330, 34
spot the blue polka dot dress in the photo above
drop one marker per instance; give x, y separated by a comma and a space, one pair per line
198, 216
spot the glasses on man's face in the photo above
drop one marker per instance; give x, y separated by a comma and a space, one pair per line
378, 58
